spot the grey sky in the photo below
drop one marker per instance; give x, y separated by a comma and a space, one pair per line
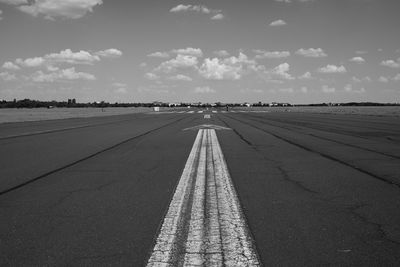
296, 51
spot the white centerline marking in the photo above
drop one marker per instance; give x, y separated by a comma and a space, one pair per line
207, 116
204, 224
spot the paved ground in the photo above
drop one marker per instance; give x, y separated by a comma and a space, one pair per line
315, 189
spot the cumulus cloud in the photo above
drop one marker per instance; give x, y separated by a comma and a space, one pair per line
196, 52
204, 90
10, 66
159, 55
291, 1
15, 2
328, 90
332, 69
286, 90
390, 63
216, 69
383, 79
361, 52
51, 9
151, 76
7, 76
306, 76
232, 68
64, 57
109, 53
180, 77
181, 61
357, 60
281, 72
397, 77
278, 22
218, 16
193, 8
60, 75
1, 12
261, 54
30, 62
311, 52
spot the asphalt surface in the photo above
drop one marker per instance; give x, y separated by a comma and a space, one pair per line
316, 189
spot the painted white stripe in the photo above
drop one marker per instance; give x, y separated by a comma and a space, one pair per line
204, 225
200, 111
214, 111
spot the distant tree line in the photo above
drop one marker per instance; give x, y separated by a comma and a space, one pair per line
71, 103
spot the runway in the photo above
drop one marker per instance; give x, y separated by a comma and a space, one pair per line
310, 189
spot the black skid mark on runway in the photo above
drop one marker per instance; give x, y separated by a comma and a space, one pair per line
380, 228
324, 138
62, 129
284, 174
85, 158
383, 179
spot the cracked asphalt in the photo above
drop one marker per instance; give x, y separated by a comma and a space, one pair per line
316, 189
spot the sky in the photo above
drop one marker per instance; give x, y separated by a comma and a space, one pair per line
296, 51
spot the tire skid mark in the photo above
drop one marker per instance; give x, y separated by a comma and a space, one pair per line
32, 180
328, 139
61, 129
383, 179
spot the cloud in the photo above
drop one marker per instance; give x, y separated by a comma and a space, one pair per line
306, 76
10, 66
181, 61
268, 54
60, 75
291, 1
216, 69
397, 77
15, 2
30, 62
328, 90
281, 72
221, 53
204, 90
332, 69
1, 12
383, 79
159, 55
180, 77
51, 9
196, 52
7, 76
390, 63
151, 76
109, 53
278, 22
357, 60
232, 68
64, 57
193, 8
311, 52
218, 16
